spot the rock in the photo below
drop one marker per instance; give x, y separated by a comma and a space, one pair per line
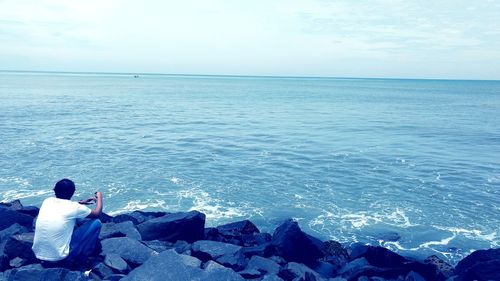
36, 272
294, 245
255, 239
129, 249
238, 228
158, 245
279, 260
363, 278
441, 266
235, 261
485, 270
357, 250
123, 229
169, 265
102, 270
335, 254
382, 257
182, 246
105, 218
224, 253
263, 265
10, 217
325, 269
116, 263
264, 250
137, 217
413, 276
250, 273
14, 205
299, 271
272, 277
12, 230
477, 257
17, 262
353, 267
172, 227
30, 210
4, 262
215, 272
211, 250
115, 277
19, 245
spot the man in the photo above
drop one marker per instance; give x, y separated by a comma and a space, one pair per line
55, 240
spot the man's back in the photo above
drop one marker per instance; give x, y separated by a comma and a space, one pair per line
54, 227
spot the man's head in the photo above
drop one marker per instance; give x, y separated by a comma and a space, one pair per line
64, 189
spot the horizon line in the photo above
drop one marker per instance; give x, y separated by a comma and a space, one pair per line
233, 75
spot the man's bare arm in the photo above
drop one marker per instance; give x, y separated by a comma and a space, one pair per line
98, 207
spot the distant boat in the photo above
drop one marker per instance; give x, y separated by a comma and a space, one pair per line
136, 76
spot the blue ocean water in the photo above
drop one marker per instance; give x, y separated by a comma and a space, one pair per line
350, 159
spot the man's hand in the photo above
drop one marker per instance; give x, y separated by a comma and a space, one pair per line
89, 201
98, 195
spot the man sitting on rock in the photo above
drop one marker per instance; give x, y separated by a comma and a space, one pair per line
55, 240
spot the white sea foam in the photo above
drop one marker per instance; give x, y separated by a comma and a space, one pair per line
11, 195
135, 205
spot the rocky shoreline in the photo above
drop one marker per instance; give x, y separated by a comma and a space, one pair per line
177, 246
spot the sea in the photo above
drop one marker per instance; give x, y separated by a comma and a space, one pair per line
412, 165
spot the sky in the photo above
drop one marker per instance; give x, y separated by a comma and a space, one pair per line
449, 39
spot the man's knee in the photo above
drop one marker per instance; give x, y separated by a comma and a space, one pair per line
95, 224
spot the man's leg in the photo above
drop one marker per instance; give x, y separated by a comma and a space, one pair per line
84, 240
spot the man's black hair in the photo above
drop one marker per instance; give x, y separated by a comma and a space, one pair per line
64, 189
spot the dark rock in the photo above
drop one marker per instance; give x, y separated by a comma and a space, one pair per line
123, 229
325, 269
272, 277
182, 246
105, 218
263, 265
357, 250
363, 278
211, 250
12, 230
413, 276
102, 270
129, 249
477, 257
484, 270
382, 257
19, 245
4, 262
226, 254
299, 271
335, 254
10, 217
264, 250
250, 273
294, 245
255, 239
353, 267
169, 265
211, 233
172, 227
30, 210
238, 228
158, 245
278, 260
36, 272
215, 272
14, 205
441, 266
427, 270
235, 261
138, 217
115, 277
116, 263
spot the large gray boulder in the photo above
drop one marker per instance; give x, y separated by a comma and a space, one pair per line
187, 226
35, 272
10, 217
129, 249
263, 265
294, 245
171, 266
226, 254
123, 229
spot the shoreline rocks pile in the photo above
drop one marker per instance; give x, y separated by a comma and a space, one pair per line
177, 246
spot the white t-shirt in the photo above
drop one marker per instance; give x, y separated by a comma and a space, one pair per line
54, 227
